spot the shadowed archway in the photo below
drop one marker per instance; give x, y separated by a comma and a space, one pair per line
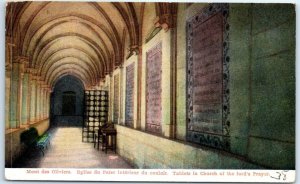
67, 102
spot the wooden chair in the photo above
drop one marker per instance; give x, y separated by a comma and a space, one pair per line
98, 137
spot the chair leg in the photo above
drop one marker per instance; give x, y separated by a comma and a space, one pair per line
115, 143
106, 144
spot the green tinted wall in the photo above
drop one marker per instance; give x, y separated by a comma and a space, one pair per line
262, 83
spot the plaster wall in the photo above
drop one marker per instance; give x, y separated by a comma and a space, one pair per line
163, 38
12, 138
144, 150
262, 95
131, 60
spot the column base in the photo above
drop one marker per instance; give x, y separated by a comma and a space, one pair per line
33, 121
14, 123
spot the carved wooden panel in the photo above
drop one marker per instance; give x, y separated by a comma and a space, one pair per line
116, 110
153, 89
208, 91
129, 96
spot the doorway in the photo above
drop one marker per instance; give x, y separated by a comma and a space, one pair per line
67, 102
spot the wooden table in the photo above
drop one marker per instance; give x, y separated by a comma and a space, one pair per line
106, 133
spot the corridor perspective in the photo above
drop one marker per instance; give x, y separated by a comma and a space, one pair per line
155, 85
66, 151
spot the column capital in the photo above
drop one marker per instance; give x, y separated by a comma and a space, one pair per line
45, 86
165, 21
39, 80
8, 67
34, 77
28, 70
18, 64
22, 75
10, 41
49, 89
133, 50
21, 60
33, 71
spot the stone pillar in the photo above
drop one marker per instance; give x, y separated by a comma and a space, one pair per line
121, 119
16, 91
111, 97
48, 102
8, 69
33, 97
38, 99
43, 102
25, 95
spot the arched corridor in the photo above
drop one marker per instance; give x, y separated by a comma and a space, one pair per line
67, 151
185, 85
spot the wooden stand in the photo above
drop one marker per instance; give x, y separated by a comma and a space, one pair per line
112, 133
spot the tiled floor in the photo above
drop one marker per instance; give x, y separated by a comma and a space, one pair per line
68, 151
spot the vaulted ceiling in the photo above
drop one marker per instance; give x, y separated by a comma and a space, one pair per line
84, 39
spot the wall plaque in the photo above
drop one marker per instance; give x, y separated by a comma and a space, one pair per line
116, 110
207, 75
129, 103
153, 89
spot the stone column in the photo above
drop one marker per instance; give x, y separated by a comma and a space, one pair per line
41, 100
30, 77
8, 69
33, 97
16, 91
111, 97
38, 99
25, 95
48, 102
9, 44
139, 87
44, 103
121, 119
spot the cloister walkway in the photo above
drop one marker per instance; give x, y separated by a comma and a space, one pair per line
68, 151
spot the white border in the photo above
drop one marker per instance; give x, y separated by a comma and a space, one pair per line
154, 175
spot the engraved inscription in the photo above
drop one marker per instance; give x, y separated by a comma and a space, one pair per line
129, 95
153, 89
116, 99
207, 76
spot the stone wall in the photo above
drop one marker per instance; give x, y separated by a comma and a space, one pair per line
263, 83
14, 148
261, 95
145, 150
